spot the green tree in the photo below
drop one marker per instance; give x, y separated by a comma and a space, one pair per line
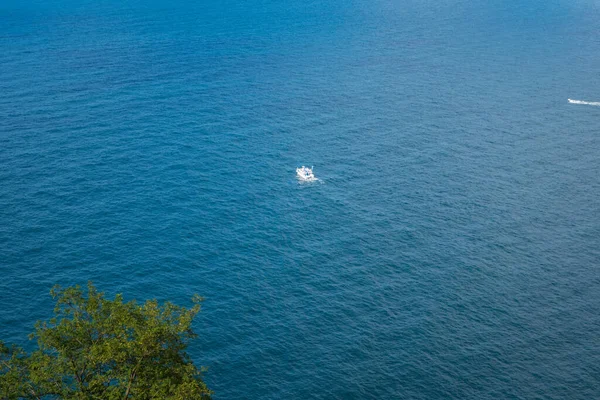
96, 348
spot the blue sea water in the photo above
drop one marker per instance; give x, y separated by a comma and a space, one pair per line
451, 248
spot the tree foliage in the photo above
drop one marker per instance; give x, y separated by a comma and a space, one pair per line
96, 348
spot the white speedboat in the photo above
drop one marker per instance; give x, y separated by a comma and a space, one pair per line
589, 103
305, 174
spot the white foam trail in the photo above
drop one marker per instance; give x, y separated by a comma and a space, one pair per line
589, 103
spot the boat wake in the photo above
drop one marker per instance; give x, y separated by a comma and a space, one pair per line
589, 103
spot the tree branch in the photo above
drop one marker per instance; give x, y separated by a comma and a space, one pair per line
131, 379
34, 393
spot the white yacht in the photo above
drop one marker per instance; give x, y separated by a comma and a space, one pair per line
305, 173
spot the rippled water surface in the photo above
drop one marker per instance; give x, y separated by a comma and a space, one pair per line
451, 248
